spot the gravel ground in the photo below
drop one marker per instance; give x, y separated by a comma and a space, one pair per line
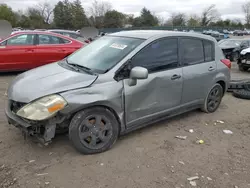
147, 158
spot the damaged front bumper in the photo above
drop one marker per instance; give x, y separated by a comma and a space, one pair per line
43, 132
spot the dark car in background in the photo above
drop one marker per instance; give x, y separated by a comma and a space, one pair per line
238, 33
232, 47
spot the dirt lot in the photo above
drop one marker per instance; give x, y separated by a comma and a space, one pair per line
148, 158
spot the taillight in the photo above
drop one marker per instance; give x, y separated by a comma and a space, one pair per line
226, 62
87, 41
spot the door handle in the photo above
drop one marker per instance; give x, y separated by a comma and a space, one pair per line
211, 68
62, 50
29, 50
175, 77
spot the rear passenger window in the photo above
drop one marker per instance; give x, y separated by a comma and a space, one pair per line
49, 39
65, 41
208, 49
191, 51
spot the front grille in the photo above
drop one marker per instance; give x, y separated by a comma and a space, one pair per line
15, 106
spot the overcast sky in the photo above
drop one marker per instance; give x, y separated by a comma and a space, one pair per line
228, 9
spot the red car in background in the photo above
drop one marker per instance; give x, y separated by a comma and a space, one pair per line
25, 50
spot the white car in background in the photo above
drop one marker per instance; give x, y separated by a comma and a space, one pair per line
244, 60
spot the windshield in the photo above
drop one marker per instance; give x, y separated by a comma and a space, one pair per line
231, 42
104, 53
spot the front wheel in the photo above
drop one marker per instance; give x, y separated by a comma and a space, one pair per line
93, 130
213, 99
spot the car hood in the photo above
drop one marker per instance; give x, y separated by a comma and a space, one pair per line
46, 80
227, 47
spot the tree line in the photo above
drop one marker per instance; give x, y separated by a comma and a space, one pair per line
72, 15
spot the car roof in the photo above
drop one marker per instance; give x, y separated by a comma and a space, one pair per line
36, 32
43, 32
62, 30
146, 34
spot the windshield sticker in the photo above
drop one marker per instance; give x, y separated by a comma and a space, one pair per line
118, 46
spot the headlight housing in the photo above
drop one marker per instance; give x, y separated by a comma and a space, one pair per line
42, 108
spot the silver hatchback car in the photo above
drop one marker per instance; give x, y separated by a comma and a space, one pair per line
119, 83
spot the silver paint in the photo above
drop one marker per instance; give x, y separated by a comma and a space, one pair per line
152, 98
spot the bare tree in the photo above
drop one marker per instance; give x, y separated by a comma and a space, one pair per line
97, 12
246, 10
178, 19
45, 10
161, 20
209, 14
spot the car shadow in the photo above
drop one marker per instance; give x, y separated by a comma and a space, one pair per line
162, 123
11, 73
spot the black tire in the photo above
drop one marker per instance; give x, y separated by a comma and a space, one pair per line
242, 68
209, 105
82, 131
246, 86
242, 94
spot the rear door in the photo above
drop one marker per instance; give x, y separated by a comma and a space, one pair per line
51, 48
17, 53
199, 68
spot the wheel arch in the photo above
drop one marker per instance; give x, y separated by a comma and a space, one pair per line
223, 85
105, 106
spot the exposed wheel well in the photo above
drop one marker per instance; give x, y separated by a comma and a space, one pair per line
223, 85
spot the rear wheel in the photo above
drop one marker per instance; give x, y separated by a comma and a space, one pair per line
213, 99
93, 130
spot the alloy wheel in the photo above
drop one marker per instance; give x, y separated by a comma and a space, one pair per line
214, 98
95, 131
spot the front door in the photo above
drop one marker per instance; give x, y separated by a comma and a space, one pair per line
199, 69
161, 91
17, 53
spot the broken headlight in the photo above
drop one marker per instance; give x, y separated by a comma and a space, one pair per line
42, 108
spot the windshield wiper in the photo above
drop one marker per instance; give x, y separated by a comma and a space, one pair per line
77, 66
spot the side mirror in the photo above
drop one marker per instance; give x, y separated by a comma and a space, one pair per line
137, 73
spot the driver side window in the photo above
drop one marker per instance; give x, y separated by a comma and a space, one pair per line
158, 56
21, 40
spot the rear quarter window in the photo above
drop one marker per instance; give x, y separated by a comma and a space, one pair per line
65, 41
208, 50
